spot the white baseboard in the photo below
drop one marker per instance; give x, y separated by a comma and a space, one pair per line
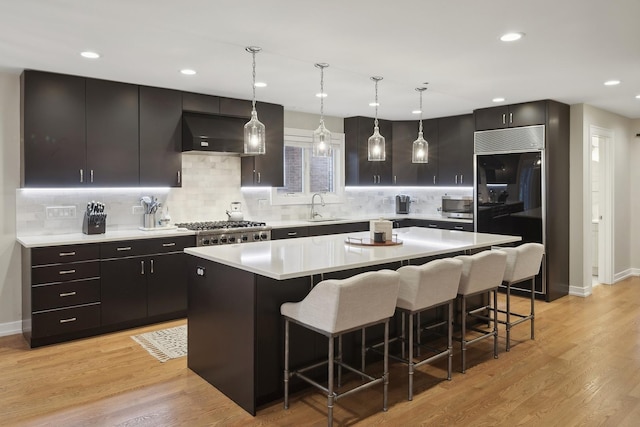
625, 274
10, 328
579, 291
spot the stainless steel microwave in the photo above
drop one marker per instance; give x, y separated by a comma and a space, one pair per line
457, 207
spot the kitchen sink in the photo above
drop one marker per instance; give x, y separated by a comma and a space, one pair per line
324, 218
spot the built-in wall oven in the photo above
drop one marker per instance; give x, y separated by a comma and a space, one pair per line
457, 207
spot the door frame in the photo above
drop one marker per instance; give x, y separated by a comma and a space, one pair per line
605, 242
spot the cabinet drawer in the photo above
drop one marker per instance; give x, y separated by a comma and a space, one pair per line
170, 244
289, 233
67, 253
66, 320
65, 272
79, 292
124, 248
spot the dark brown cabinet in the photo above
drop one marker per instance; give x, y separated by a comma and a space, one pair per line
160, 137
524, 114
455, 150
350, 227
358, 169
404, 171
112, 133
200, 103
53, 129
289, 233
268, 169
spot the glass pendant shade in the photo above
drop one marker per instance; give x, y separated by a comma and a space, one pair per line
375, 147
321, 141
254, 136
254, 131
420, 152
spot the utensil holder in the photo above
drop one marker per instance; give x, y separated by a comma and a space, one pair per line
94, 223
149, 220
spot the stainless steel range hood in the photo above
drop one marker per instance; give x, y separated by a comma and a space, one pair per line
211, 133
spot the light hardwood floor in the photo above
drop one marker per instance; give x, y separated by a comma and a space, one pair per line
583, 369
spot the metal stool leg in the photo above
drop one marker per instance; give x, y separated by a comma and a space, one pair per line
410, 359
402, 336
495, 323
364, 350
449, 338
508, 314
330, 393
533, 299
463, 342
418, 332
286, 364
339, 359
385, 388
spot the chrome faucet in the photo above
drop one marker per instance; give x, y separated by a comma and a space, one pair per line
313, 209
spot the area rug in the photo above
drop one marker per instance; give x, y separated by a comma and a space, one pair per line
164, 344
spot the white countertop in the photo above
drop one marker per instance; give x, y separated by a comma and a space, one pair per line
109, 236
289, 258
361, 218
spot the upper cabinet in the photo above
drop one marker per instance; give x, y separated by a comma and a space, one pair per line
525, 114
78, 131
405, 172
160, 137
53, 130
358, 169
455, 150
266, 170
428, 172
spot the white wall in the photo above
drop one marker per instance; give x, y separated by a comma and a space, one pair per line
10, 288
634, 195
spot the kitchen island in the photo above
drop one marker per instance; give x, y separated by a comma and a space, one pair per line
236, 336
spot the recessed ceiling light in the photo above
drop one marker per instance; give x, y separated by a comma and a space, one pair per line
188, 72
498, 99
612, 82
638, 96
260, 84
374, 104
321, 95
90, 55
511, 37
416, 112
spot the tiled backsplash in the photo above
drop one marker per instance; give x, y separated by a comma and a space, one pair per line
210, 183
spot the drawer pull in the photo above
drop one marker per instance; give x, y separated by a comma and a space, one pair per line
66, 271
71, 319
167, 245
151, 266
68, 294
141, 267
67, 253
292, 233
126, 248
433, 226
458, 227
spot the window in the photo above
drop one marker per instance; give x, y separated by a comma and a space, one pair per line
305, 175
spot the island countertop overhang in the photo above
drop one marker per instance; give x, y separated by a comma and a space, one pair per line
306, 256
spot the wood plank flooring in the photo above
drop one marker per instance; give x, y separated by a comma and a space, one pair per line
583, 369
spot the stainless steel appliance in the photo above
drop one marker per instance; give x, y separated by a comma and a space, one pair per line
402, 204
226, 232
457, 207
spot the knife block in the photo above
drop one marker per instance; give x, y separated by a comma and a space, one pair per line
94, 224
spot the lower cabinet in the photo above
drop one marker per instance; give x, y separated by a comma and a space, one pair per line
445, 225
75, 291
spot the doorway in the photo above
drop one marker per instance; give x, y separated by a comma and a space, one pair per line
599, 250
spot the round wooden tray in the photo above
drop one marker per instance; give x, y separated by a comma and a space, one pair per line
368, 242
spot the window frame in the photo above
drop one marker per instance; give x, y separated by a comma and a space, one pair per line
303, 138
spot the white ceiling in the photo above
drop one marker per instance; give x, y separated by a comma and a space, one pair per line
571, 47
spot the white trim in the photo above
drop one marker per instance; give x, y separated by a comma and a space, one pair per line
630, 272
10, 328
579, 291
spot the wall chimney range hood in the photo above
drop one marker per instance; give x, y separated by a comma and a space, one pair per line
213, 133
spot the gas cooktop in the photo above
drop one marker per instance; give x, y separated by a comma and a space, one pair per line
220, 225
227, 232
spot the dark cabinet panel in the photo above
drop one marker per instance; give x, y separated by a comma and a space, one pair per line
53, 129
167, 284
267, 169
455, 150
199, 103
66, 320
428, 172
524, 114
239, 108
124, 290
289, 233
160, 137
358, 169
63, 254
445, 225
351, 227
404, 171
112, 133
66, 294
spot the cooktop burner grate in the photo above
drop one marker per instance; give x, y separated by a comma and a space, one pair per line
219, 225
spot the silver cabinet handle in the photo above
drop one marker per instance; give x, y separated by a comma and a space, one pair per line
68, 294
434, 179
151, 266
461, 181
71, 319
66, 271
259, 177
125, 248
395, 179
91, 175
456, 179
141, 267
374, 179
166, 245
81, 175
458, 227
66, 253
510, 117
179, 178
504, 119
433, 226
292, 233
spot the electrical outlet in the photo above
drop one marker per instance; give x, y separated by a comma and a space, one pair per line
60, 212
137, 210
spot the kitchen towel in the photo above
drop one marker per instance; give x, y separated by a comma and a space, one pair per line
164, 344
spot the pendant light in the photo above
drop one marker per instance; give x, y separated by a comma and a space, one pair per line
375, 146
321, 136
420, 151
254, 133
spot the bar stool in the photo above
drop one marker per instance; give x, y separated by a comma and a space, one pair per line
523, 263
424, 287
481, 273
333, 308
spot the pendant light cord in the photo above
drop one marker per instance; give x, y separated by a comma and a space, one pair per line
322, 95
420, 112
376, 101
253, 102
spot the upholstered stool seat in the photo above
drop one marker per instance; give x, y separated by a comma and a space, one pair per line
335, 307
481, 273
523, 264
424, 287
